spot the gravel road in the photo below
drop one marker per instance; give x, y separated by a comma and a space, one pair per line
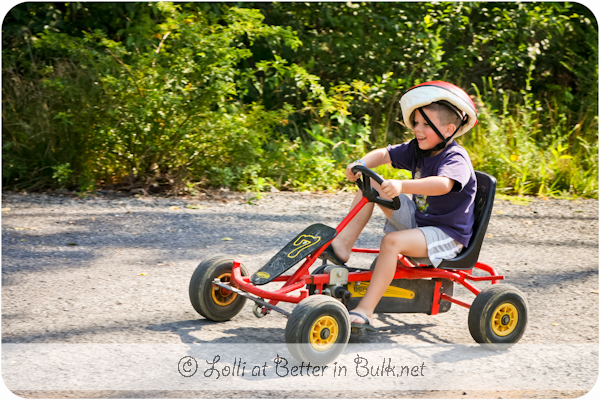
113, 269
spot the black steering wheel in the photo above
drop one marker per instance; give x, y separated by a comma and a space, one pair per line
364, 184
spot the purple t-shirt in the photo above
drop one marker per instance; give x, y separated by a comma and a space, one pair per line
451, 212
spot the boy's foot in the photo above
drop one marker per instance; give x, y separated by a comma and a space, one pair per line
330, 255
362, 322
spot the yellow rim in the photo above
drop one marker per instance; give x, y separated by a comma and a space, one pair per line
221, 296
324, 333
504, 319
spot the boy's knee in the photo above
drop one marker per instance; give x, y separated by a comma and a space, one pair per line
391, 241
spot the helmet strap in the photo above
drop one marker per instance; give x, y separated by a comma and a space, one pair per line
442, 145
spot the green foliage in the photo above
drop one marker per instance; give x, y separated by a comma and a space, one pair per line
512, 145
162, 113
181, 95
62, 173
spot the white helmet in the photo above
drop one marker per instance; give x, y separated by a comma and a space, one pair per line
443, 92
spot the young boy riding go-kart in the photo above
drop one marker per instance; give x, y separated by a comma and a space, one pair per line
431, 241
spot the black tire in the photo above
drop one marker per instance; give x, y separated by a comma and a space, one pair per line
213, 302
498, 316
318, 330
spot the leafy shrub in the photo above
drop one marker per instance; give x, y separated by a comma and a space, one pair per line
526, 158
286, 94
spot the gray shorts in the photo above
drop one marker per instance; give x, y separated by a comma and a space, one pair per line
440, 246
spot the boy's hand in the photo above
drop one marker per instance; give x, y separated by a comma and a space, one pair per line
391, 187
350, 175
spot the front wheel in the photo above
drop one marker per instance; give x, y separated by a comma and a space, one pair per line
318, 330
211, 301
498, 315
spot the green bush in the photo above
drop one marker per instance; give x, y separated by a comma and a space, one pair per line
164, 113
176, 96
525, 157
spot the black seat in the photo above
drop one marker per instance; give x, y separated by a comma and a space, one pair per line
484, 201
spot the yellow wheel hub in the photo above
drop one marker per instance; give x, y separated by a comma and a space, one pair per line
324, 333
504, 319
221, 296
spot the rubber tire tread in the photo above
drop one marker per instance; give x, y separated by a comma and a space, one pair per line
484, 305
201, 286
302, 318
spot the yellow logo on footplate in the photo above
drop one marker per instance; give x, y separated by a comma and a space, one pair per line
263, 275
391, 291
303, 242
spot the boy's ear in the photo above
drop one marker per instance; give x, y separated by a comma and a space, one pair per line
450, 128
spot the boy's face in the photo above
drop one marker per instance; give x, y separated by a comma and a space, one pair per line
426, 136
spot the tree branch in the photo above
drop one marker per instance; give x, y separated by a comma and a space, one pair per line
160, 45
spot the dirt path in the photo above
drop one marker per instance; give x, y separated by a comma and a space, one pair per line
115, 270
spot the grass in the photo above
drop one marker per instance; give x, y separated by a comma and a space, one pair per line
531, 151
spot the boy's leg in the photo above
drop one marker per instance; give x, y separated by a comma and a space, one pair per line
343, 242
408, 242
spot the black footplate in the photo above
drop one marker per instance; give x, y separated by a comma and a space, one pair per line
311, 239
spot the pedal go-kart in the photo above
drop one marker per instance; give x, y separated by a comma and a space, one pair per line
318, 328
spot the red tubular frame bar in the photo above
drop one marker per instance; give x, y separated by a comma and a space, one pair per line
404, 270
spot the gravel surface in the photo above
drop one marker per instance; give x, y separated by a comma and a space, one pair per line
116, 269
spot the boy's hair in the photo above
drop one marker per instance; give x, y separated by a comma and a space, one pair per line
445, 114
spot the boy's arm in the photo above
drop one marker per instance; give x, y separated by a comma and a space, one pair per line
372, 160
429, 186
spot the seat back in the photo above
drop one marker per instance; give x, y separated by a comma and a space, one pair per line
484, 201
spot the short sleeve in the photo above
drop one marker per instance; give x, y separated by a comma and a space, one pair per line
457, 168
402, 155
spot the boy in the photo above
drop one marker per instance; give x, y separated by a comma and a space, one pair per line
438, 222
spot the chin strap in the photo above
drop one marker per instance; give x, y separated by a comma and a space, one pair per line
439, 146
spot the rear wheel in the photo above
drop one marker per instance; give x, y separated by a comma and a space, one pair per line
318, 330
498, 315
211, 301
